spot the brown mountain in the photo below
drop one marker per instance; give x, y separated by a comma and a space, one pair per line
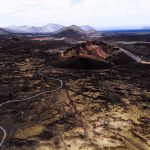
71, 32
92, 55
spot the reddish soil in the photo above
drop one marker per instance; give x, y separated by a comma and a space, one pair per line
91, 55
97, 50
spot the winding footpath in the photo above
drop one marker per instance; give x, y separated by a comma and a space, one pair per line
134, 57
2, 129
137, 59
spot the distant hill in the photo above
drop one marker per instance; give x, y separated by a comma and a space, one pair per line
89, 30
50, 28
145, 28
74, 27
33, 29
71, 32
74, 31
3, 32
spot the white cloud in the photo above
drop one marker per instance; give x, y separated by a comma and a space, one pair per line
103, 13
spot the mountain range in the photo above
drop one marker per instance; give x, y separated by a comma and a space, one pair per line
49, 28
33, 29
53, 30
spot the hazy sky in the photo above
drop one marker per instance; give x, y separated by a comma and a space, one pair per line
97, 13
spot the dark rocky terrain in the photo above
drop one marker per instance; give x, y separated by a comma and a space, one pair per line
96, 109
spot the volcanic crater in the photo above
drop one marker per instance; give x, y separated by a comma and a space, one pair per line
91, 55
